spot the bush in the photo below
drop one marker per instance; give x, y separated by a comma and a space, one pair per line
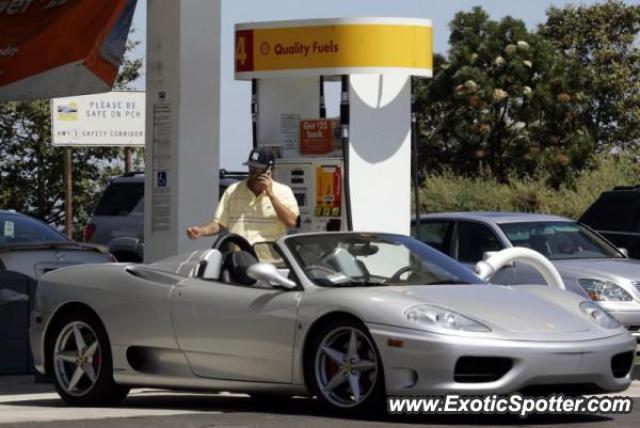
449, 192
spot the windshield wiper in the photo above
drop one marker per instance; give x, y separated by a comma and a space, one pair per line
446, 282
358, 284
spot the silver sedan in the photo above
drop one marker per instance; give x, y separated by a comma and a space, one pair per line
347, 317
588, 263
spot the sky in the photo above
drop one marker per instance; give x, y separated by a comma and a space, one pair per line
235, 132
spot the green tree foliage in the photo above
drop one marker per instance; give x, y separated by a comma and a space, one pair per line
31, 170
504, 102
445, 191
601, 39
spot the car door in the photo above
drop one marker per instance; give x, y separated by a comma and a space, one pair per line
236, 332
471, 240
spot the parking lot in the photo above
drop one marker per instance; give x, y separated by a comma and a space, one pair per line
24, 403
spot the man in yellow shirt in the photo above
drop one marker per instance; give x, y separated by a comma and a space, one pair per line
258, 208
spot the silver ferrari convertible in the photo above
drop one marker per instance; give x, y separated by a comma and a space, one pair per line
347, 317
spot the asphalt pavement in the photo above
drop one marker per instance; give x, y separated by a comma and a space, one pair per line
24, 403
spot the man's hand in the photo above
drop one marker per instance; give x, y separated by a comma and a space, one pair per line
194, 232
266, 183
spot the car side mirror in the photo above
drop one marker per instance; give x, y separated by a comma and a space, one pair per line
624, 251
487, 254
268, 273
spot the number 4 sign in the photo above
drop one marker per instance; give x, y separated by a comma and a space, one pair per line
244, 50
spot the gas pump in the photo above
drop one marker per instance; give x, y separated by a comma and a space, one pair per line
350, 172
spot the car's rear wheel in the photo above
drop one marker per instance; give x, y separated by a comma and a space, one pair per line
346, 371
80, 362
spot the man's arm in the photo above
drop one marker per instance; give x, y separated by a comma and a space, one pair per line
286, 216
217, 224
207, 229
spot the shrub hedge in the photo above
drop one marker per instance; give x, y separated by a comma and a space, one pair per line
449, 192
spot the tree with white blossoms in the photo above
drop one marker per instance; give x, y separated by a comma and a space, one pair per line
504, 101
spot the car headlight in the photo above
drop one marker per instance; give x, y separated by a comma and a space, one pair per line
429, 315
599, 315
599, 290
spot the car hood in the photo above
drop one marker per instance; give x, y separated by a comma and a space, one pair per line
523, 312
502, 307
599, 268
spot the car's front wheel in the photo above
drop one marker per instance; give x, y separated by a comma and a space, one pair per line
80, 362
346, 371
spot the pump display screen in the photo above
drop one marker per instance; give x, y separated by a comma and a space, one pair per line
301, 197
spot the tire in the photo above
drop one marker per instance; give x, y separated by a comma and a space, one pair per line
333, 381
82, 372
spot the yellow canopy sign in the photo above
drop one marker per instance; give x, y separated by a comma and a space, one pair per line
334, 46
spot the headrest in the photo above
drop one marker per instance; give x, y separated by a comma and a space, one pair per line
237, 264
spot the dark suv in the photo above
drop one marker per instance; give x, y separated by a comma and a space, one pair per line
616, 216
118, 218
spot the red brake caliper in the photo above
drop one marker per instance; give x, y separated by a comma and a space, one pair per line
332, 368
96, 360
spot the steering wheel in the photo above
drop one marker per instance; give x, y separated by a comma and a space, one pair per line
223, 244
396, 276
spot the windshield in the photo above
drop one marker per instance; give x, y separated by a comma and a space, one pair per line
559, 240
17, 229
341, 260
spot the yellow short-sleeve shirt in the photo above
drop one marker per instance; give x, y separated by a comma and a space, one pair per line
254, 217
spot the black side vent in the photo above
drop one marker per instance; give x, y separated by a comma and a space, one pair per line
481, 369
621, 364
153, 276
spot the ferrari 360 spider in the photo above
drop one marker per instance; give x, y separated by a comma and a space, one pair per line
348, 317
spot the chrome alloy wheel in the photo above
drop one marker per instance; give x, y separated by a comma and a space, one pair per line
77, 358
346, 367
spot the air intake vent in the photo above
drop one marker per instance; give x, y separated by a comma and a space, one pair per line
481, 369
621, 364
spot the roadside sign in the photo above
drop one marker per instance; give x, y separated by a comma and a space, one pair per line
107, 119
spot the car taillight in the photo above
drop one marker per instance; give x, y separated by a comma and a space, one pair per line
111, 258
89, 231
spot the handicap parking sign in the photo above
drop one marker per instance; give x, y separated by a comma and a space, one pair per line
161, 178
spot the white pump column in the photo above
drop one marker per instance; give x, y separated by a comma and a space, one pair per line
183, 122
380, 152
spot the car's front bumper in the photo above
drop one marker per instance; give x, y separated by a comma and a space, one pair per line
423, 363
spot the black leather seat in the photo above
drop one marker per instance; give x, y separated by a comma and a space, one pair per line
235, 266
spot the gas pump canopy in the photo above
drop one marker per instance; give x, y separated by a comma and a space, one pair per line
337, 46
349, 172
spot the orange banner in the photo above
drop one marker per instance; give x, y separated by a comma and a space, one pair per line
51, 48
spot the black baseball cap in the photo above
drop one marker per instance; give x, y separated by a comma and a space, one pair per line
261, 157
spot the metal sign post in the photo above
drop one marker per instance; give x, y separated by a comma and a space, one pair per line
128, 159
68, 193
